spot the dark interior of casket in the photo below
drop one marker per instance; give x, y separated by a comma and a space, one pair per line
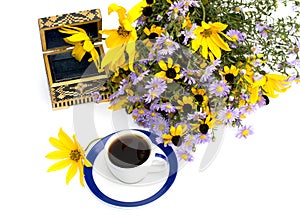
63, 65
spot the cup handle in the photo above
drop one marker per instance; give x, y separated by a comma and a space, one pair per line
159, 163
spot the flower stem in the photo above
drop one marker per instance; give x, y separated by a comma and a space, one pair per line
203, 10
91, 142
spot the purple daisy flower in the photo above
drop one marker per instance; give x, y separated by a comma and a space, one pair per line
236, 35
247, 109
134, 99
151, 95
159, 125
167, 107
256, 49
141, 117
203, 138
188, 34
184, 155
264, 29
260, 26
228, 115
187, 75
192, 3
175, 9
157, 84
244, 132
219, 88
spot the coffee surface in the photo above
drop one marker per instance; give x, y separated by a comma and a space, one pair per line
128, 151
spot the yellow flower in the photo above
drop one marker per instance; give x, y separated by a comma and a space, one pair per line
208, 38
270, 83
175, 135
200, 96
70, 153
186, 105
155, 31
204, 125
275, 83
119, 104
169, 71
119, 39
187, 22
230, 73
81, 42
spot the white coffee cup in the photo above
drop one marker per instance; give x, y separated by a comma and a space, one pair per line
131, 166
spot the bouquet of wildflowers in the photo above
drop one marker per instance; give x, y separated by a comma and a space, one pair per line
181, 68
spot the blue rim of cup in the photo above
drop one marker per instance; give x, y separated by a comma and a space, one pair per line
99, 146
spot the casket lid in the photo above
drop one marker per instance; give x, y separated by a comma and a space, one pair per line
52, 39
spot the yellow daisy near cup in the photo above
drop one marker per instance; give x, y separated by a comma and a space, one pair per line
70, 153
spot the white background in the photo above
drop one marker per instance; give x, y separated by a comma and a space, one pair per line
251, 181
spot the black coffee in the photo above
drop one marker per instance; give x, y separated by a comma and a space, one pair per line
128, 151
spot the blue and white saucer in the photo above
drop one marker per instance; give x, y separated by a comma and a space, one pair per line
112, 191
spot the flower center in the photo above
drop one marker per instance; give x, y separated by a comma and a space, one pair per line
149, 2
187, 108
147, 11
75, 155
203, 128
245, 132
152, 36
161, 127
122, 32
199, 98
219, 89
177, 140
203, 137
171, 73
229, 77
184, 156
234, 38
228, 115
207, 33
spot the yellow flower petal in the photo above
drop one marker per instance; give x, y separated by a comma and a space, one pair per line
163, 65
170, 62
219, 26
204, 48
161, 74
58, 144
147, 31
59, 165
136, 11
173, 131
87, 163
66, 140
176, 68
205, 25
220, 42
178, 130
81, 174
71, 172
226, 69
58, 155
78, 52
214, 48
